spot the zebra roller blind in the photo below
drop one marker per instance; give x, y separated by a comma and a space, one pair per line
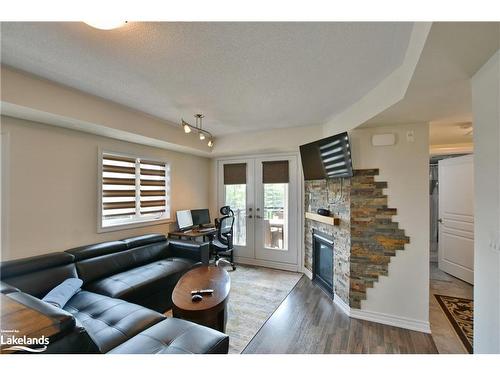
133, 190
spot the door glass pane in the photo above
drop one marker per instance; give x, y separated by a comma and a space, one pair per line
276, 216
236, 198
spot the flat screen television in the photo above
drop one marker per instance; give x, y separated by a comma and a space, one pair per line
327, 158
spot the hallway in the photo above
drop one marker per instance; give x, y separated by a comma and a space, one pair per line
443, 333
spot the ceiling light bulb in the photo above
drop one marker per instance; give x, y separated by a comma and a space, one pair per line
210, 143
202, 136
187, 129
106, 24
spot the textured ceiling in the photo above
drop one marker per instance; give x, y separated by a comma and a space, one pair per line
242, 76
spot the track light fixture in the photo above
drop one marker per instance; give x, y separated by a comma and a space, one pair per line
198, 129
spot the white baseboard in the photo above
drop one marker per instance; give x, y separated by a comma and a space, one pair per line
266, 263
382, 318
342, 305
308, 273
391, 320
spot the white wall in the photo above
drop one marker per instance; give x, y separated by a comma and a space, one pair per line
33, 98
50, 182
404, 293
267, 141
485, 107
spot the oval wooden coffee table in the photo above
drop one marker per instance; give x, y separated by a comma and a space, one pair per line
211, 311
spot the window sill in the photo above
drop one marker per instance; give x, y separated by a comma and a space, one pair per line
140, 224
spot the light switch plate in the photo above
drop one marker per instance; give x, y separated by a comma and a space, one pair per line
410, 136
494, 242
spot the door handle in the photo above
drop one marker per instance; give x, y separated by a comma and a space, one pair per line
249, 216
258, 217
440, 220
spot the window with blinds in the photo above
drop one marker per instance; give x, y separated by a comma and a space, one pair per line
134, 190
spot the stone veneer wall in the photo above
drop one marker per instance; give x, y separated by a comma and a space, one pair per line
366, 238
374, 236
338, 191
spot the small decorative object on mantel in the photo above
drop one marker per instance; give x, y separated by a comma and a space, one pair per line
323, 212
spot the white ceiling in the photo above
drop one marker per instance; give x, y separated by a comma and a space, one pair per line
450, 133
440, 90
242, 76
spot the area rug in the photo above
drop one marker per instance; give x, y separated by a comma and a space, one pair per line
459, 312
256, 292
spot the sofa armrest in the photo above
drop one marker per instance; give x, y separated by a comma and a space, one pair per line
63, 319
71, 337
197, 251
6, 288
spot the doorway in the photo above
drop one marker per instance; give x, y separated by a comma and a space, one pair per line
451, 251
263, 192
452, 214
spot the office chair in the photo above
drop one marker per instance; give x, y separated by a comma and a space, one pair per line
222, 245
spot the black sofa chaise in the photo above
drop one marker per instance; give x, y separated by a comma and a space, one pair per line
127, 285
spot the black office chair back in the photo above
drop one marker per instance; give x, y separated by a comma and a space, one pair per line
225, 227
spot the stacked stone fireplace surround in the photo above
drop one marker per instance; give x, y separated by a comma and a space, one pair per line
366, 238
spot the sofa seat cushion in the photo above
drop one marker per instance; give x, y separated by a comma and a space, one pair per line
139, 283
109, 321
175, 336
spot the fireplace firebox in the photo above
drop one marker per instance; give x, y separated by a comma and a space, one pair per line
323, 261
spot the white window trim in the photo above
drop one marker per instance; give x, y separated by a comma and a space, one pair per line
137, 224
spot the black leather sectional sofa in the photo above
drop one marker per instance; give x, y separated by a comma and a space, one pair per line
127, 285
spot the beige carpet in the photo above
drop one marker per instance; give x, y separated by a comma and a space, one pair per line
256, 292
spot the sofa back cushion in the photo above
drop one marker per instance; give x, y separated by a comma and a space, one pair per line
95, 262
97, 249
39, 274
145, 239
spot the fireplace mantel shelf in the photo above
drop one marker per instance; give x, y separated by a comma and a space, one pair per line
330, 220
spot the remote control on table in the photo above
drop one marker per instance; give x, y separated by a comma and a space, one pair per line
202, 291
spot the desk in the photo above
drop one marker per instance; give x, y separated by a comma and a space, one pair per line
193, 234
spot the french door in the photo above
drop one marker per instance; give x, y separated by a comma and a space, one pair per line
263, 193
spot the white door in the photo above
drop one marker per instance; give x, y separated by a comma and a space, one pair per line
266, 228
239, 194
276, 207
456, 217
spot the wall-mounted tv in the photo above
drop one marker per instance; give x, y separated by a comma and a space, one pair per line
327, 158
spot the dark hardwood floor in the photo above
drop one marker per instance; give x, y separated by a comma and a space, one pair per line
307, 321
